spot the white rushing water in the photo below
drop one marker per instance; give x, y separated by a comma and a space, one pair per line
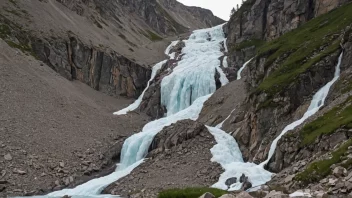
316, 103
136, 103
219, 126
242, 68
189, 85
227, 153
225, 62
194, 75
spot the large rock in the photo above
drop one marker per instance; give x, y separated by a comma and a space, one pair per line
230, 181
207, 195
340, 171
243, 194
276, 194
229, 196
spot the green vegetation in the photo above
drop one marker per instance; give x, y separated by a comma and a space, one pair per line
337, 117
10, 38
153, 37
4, 31
190, 193
320, 169
247, 43
300, 44
13, 2
246, 6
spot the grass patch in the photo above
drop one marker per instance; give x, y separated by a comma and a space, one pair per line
328, 123
9, 37
153, 37
190, 193
13, 2
4, 31
300, 44
246, 6
320, 169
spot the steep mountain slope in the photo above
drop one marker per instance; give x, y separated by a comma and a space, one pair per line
293, 49
288, 68
56, 133
96, 41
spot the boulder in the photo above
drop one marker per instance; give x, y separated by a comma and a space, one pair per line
230, 181
340, 172
276, 194
228, 196
207, 195
8, 157
243, 195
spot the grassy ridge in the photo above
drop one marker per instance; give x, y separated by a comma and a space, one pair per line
300, 44
337, 117
320, 169
190, 192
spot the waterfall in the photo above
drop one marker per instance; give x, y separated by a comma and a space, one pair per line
242, 68
227, 153
194, 75
184, 92
316, 103
136, 103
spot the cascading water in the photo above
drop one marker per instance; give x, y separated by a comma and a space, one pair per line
194, 75
242, 68
227, 153
184, 91
136, 103
316, 103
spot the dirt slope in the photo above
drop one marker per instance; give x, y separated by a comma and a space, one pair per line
46, 119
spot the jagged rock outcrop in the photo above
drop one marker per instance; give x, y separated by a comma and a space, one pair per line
269, 19
280, 93
166, 17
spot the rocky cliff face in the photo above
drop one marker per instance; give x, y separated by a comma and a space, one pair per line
296, 46
166, 17
279, 92
108, 45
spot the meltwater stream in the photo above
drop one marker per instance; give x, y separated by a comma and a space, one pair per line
316, 103
183, 92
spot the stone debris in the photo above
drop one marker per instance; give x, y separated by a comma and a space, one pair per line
8, 157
